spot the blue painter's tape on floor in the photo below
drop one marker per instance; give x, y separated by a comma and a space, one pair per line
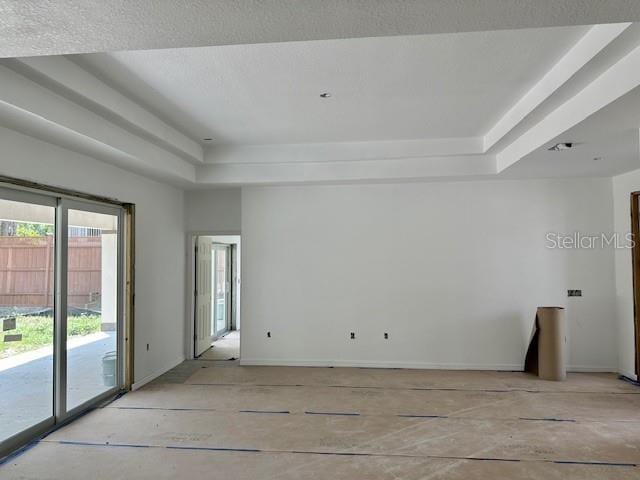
422, 416
341, 414
215, 449
605, 464
18, 452
281, 412
127, 445
72, 442
489, 459
341, 454
97, 444
548, 419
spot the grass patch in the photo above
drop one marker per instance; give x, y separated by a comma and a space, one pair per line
37, 332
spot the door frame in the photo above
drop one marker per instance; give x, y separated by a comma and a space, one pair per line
190, 304
635, 256
60, 335
228, 288
25, 436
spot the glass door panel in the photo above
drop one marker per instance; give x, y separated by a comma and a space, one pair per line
92, 305
221, 284
60, 310
27, 254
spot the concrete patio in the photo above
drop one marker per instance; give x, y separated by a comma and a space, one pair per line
26, 381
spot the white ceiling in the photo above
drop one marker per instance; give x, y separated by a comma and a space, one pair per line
606, 143
37, 27
403, 108
386, 88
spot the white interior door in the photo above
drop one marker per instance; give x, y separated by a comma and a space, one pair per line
203, 296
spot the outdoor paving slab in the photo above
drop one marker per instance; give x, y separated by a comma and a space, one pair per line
26, 389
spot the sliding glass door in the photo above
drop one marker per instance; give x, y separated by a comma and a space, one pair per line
92, 302
60, 310
27, 248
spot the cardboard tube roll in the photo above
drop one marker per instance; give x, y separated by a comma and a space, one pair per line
551, 343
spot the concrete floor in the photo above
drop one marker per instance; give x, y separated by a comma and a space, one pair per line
226, 348
210, 419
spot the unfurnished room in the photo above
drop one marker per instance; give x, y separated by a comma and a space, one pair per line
304, 239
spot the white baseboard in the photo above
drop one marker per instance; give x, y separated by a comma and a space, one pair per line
371, 364
157, 373
591, 369
410, 365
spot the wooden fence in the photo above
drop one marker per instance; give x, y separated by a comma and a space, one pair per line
26, 271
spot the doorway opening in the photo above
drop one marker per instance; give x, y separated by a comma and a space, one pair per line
217, 297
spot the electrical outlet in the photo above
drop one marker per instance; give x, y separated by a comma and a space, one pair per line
386, 336
353, 336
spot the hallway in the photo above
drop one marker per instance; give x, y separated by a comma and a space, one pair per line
226, 348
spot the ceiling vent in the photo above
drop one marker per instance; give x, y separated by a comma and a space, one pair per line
558, 147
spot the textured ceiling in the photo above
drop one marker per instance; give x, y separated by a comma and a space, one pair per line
403, 105
54, 27
410, 87
611, 136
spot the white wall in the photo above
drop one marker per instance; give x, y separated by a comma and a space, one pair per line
452, 271
623, 185
160, 238
213, 211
